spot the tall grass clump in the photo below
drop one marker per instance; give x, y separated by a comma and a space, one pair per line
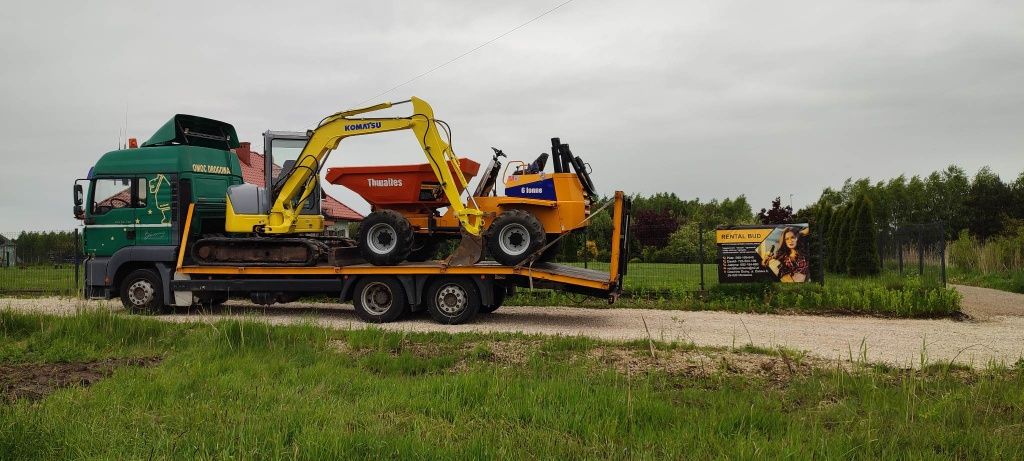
994, 263
89, 334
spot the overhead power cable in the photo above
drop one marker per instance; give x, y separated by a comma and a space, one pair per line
467, 53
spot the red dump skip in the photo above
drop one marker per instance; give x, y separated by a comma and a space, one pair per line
394, 184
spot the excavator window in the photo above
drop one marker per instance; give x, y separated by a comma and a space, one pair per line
285, 152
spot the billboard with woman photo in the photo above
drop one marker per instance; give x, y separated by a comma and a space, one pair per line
776, 253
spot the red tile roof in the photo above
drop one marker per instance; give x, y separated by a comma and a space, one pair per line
252, 173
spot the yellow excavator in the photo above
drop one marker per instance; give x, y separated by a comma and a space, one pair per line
279, 233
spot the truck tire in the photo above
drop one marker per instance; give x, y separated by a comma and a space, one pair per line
453, 300
379, 299
513, 236
424, 249
499, 299
142, 292
385, 238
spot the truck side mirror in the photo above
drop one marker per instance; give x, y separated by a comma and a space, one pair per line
79, 212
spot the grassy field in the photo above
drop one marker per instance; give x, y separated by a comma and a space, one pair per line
39, 279
671, 286
675, 286
253, 391
645, 277
1006, 280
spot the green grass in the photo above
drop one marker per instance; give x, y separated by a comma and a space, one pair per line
889, 294
1007, 280
647, 277
44, 279
245, 390
672, 286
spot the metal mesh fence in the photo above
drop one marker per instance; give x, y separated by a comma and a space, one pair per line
665, 260
40, 262
915, 249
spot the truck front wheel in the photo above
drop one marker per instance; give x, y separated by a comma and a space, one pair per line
142, 293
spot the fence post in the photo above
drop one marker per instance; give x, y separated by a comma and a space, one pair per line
586, 249
700, 250
77, 259
920, 252
822, 251
942, 252
899, 253
882, 246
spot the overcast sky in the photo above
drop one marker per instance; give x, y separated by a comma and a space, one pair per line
708, 99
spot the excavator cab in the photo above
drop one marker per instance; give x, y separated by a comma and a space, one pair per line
283, 148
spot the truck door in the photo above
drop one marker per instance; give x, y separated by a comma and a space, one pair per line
153, 211
110, 219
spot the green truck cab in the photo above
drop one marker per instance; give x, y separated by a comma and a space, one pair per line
134, 202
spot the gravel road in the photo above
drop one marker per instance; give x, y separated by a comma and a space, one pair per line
994, 332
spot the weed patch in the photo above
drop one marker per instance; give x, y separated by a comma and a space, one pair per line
33, 381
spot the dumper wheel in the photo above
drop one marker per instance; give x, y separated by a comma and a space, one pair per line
424, 249
385, 238
453, 300
379, 299
514, 236
142, 293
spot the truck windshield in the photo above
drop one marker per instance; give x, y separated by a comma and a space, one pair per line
109, 194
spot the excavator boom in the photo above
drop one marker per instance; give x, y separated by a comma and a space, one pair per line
277, 210
286, 199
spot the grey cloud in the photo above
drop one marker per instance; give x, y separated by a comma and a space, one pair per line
705, 99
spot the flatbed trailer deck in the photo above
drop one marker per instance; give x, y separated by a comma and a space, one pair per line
452, 294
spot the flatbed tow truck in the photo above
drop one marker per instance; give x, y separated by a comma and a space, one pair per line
146, 208
452, 294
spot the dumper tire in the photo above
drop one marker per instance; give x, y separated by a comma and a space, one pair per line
514, 236
142, 293
379, 299
385, 238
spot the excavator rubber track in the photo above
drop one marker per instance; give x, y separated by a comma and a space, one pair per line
264, 251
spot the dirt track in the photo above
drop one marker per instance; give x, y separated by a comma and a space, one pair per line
995, 332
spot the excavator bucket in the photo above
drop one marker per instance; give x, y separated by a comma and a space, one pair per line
469, 252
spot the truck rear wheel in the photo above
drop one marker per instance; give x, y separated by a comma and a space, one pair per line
514, 236
379, 299
385, 238
499, 299
142, 292
453, 300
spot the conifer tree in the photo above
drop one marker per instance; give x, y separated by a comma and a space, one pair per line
819, 234
832, 243
863, 246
